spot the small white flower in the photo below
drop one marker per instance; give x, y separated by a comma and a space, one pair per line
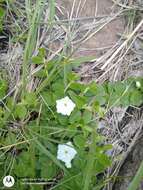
138, 84
66, 153
65, 106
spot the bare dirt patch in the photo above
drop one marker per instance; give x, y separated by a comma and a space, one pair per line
104, 38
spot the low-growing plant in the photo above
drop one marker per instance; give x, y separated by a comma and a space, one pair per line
50, 134
2, 14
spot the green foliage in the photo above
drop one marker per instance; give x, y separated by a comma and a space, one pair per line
136, 98
20, 111
24, 166
41, 128
2, 14
3, 88
39, 59
30, 100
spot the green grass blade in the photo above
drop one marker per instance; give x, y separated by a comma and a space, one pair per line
28, 10
78, 61
137, 179
52, 7
32, 38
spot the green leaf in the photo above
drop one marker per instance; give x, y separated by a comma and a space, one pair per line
2, 113
37, 60
47, 167
63, 120
3, 88
87, 116
119, 88
113, 99
9, 103
25, 160
136, 98
104, 160
42, 52
42, 73
100, 110
48, 97
101, 99
99, 168
125, 100
30, 99
20, 111
79, 141
10, 139
75, 116
58, 88
104, 147
77, 87
100, 91
73, 77
2, 12
80, 101
92, 88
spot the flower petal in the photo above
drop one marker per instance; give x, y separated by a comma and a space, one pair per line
66, 153
65, 106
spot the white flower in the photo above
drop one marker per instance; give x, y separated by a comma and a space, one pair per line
138, 84
65, 106
66, 153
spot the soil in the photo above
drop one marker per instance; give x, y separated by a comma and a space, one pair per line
108, 36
